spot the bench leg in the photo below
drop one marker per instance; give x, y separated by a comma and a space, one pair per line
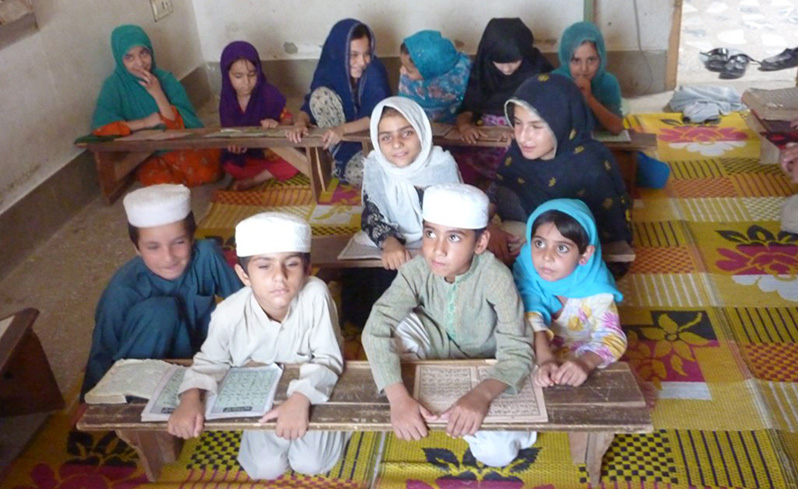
155, 449
589, 448
320, 171
114, 171
27, 384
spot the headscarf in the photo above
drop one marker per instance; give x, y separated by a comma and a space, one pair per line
122, 98
581, 168
604, 85
504, 41
445, 73
393, 189
592, 278
265, 102
333, 72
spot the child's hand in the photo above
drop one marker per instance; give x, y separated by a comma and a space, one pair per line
236, 150
394, 254
470, 133
789, 161
296, 133
544, 375
572, 372
504, 245
332, 136
466, 415
407, 415
292, 417
583, 83
269, 123
188, 419
150, 82
153, 120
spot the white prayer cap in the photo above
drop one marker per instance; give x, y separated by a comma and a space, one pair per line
272, 232
157, 205
456, 205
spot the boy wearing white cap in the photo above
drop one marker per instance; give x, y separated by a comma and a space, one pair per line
158, 305
283, 315
455, 300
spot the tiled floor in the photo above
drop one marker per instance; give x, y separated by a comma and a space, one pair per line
65, 276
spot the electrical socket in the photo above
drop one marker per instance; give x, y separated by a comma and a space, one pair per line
161, 8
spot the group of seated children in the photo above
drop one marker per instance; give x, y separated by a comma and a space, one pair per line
454, 300
347, 84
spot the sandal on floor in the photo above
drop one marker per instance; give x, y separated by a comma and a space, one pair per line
735, 67
716, 59
786, 59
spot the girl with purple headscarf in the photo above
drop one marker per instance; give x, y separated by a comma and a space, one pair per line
247, 99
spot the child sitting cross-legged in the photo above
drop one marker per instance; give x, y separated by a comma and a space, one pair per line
455, 300
569, 294
283, 315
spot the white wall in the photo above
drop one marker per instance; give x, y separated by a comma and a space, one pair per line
51, 78
271, 24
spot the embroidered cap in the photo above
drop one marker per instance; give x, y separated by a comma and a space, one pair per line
456, 205
157, 205
272, 232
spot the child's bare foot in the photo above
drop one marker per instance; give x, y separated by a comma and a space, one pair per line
248, 183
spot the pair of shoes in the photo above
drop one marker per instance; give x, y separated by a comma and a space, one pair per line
735, 67
786, 59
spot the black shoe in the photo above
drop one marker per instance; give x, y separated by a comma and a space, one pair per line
735, 67
786, 59
716, 59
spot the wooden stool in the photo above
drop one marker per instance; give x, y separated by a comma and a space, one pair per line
27, 384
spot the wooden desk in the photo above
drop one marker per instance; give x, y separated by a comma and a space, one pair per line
117, 159
27, 384
609, 402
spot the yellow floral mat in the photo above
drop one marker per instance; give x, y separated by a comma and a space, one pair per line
710, 308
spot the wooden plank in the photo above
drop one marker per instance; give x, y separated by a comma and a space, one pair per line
296, 158
674, 39
618, 252
324, 252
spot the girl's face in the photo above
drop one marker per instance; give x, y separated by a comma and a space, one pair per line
399, 141
359, 56
243, 77
409, 68
507, 69
585, 61
555, 256
137, 60
533, 134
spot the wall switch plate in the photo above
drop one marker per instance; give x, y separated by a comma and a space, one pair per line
161, 8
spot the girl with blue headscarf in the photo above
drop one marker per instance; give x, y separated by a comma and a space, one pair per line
434, 74
569, 294
348, 83
583, 58
139, 95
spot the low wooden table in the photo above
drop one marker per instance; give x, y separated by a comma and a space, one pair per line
609, 402
27, 384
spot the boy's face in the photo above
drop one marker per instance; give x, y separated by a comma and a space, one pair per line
409, 68
533, 134
275, 278
359, 56
166, 250
399, 142
555, 256
448, 251
243, 77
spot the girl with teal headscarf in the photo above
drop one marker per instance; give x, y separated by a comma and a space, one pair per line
139, 95
569, 294
434, 74
583, 58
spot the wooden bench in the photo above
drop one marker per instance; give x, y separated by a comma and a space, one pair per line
609, 402
27, 384
117, 159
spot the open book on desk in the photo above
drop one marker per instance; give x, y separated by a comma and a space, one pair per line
608, 137
360, 247
438, 387
128, 378
243, 392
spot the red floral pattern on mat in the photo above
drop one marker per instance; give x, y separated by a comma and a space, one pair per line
679, 132
759, 252
75, 476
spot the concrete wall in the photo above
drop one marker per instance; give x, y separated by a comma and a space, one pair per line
50, 80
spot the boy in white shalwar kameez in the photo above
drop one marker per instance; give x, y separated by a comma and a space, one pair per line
283, 315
